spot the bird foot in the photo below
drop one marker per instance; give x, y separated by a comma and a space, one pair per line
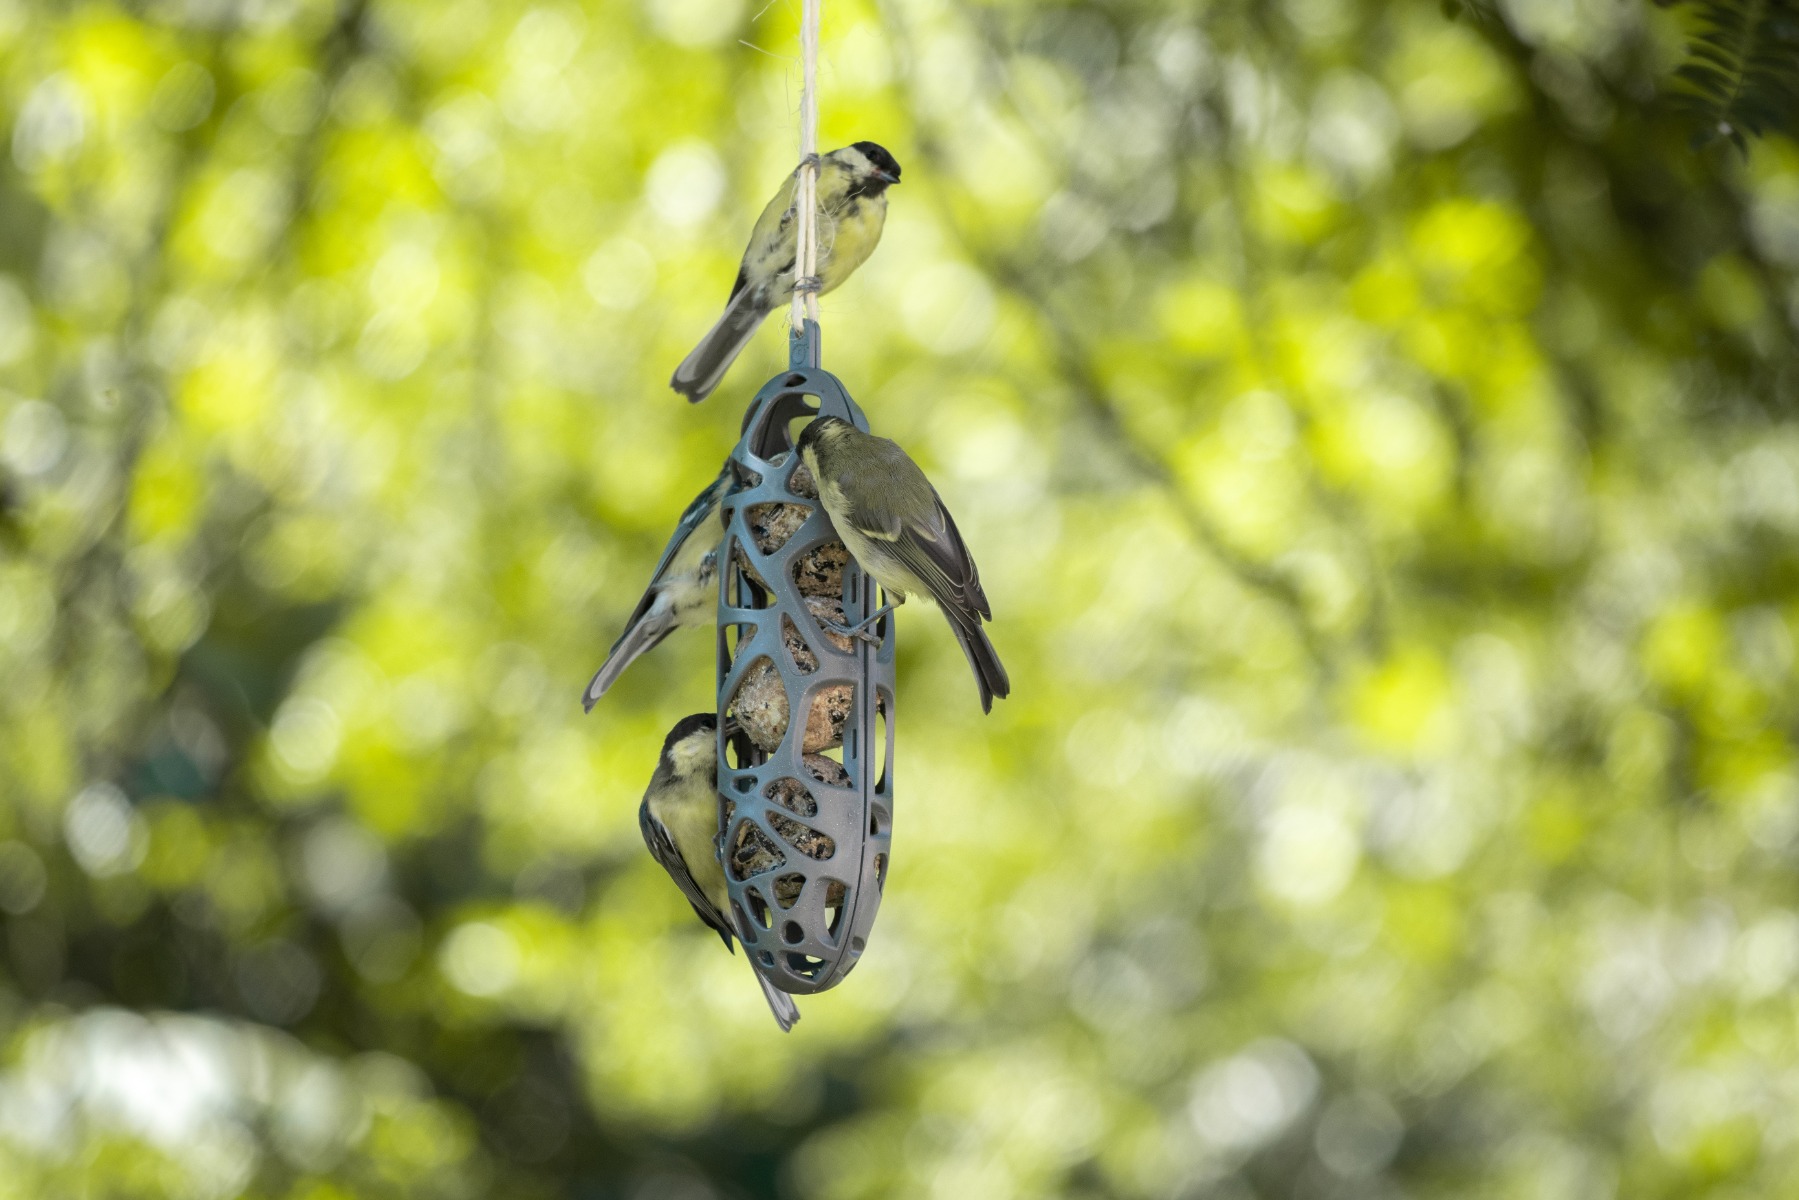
862, 629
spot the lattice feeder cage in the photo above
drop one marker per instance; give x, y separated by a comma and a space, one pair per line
806, 714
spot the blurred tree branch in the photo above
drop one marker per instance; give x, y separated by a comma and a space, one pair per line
1075, 364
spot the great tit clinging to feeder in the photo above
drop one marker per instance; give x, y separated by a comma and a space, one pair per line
895, 526
683, 589
679, 818
852, 210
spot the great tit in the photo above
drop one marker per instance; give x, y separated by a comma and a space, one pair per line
682, 591
680, 819
897, 529
852, 209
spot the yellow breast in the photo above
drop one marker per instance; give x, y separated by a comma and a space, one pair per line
854, 232
690, 814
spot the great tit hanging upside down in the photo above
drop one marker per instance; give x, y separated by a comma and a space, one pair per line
679, 818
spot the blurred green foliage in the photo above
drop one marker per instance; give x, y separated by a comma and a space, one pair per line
1742, 71
1377, 432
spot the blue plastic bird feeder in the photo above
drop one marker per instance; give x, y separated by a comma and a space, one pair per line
806, 715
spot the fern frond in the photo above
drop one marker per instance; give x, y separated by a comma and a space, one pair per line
1741, 77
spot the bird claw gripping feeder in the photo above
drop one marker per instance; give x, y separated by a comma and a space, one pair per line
805, 838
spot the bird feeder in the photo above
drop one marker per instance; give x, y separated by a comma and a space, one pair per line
805, 762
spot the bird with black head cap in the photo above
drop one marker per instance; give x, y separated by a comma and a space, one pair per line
852, 212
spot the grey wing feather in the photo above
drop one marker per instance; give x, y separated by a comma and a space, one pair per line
935, 552
932, 549
692, 517
639, 636
880, 486
932, 552
939, 559
662, 849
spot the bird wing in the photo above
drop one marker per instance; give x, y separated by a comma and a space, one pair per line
663, 850
771, 247
703, 508
934, 551
834, 182
879, 498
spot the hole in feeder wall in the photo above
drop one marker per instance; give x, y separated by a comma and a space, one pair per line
804, 838
772, 525
881, 871
747, 589
804, 964
883, 745
834, 756
803, 660
795, 796
829, 716
819, 571
740, 755
792, 795
752, 852
792, 934
788, 888
759, 909
809, 405
827, 611
834, 894
736, 634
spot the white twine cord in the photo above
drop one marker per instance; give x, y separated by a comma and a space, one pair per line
805, 193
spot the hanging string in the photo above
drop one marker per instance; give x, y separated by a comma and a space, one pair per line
805, 193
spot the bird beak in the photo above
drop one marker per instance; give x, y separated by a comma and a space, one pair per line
887, 177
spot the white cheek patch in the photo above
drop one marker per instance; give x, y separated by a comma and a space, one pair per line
691, 753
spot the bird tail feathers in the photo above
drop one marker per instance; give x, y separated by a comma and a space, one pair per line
989, 672
701, 371
642, 636
780, 1004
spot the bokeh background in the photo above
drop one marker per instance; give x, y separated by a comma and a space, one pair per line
1376, 426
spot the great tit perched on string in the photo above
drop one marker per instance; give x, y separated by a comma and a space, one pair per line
852, 210
683, 589
680, 819
896, 528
